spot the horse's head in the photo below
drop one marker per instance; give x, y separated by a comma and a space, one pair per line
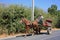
22, 20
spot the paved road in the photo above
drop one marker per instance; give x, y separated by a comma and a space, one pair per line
54, 36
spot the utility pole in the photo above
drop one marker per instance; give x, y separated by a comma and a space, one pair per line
32, 16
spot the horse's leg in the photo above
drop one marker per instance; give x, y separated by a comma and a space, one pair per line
27, 29
33, 31
37, 29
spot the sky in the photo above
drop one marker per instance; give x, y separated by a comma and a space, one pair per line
43, 4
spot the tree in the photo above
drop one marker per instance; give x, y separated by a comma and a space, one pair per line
55, 15
58, 21
53, 10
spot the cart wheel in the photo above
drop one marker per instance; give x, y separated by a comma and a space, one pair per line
49, 30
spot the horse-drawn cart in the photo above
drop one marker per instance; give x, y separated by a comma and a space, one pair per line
47, 24
36, 27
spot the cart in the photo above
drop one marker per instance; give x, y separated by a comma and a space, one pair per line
48, 24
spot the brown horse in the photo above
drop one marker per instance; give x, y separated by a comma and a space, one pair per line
27, 23
36, 26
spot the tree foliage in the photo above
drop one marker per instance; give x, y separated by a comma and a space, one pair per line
55, 15
53, 10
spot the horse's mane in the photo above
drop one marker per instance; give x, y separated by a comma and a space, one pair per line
26, 21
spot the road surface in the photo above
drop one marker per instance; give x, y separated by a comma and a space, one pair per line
55, 35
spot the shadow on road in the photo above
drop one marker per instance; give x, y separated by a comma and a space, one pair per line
42, 33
